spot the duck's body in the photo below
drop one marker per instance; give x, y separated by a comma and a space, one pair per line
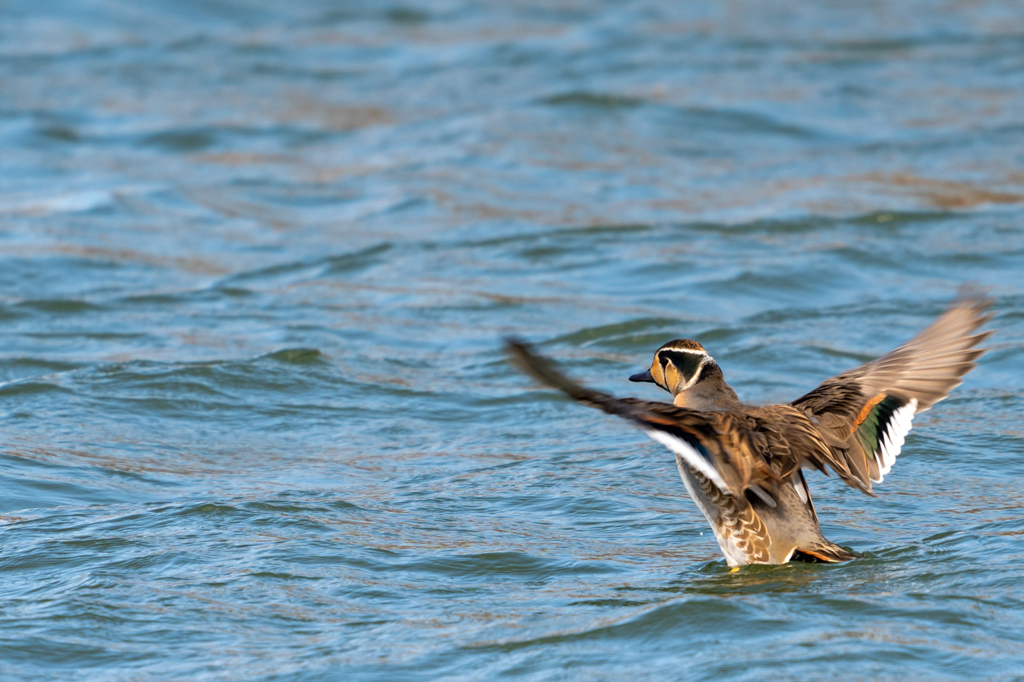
742, 463
750, 531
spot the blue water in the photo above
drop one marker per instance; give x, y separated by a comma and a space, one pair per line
256, 259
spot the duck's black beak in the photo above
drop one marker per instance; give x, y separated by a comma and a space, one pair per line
643, 376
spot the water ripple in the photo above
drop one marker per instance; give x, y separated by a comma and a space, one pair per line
258, 257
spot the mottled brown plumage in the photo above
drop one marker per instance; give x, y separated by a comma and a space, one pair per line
742, 463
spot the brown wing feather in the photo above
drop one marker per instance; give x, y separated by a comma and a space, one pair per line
736, 448
743, 448
847, 408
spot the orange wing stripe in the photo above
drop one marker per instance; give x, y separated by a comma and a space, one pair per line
866, 410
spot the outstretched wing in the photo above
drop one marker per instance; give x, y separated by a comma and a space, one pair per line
727, 447
865, 413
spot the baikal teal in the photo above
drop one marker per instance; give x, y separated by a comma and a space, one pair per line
743, 464
257, 258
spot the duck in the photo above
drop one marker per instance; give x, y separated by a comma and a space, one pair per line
744, 464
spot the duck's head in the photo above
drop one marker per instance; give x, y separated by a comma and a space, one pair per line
679, 366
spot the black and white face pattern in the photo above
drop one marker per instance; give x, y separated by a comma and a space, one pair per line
678, 365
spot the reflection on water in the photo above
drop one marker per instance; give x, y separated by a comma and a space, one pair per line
257, 259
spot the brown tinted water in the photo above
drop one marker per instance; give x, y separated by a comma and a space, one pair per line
256, 260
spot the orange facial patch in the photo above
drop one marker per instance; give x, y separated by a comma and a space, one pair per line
657, 373
671, 377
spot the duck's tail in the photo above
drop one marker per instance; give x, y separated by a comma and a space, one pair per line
823, 552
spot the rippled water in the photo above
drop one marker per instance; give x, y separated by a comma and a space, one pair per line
256, 259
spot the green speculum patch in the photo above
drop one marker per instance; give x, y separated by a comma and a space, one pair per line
871, 429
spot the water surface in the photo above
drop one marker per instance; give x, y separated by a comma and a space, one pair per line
256, 259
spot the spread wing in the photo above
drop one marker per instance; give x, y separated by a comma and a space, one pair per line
736, 451
865, 413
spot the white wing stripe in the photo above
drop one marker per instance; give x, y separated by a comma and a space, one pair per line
690, 454
887, 451
891, 442
798, 485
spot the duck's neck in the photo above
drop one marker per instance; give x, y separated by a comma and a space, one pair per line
707, 396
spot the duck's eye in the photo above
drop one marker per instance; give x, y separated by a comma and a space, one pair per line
687, 364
